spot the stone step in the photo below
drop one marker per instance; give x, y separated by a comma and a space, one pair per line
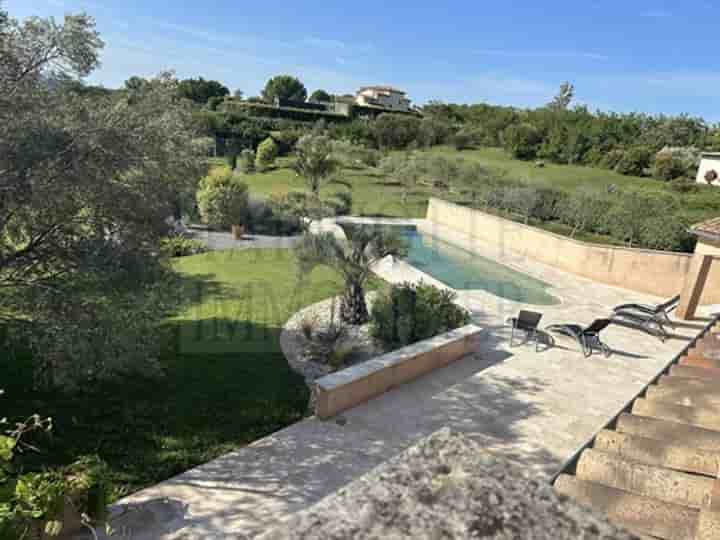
645, 515
695, 372
687, 382
658, 453
708, 418
671, 432
659, 483
700, 361
702, 397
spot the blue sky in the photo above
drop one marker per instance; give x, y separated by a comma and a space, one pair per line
623, 56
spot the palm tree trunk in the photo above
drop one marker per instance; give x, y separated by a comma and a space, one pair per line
353, 309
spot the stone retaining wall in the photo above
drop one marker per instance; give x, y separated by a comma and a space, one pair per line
659, 273
350, 387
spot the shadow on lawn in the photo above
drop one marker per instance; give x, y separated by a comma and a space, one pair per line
218, 391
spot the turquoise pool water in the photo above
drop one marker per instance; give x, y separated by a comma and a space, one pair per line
461, 269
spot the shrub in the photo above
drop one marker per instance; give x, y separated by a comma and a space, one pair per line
342, 203
612, 158
269, 217
667, 233
634, 161
676, 162
266, 153
410, 313
178, 246
247, 161
583, 210
522, 140
462, 140
432, 132
286, 140
222, 199
395, 131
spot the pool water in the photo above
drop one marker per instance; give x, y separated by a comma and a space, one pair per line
464, 270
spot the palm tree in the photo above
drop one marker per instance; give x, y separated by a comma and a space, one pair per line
353, 259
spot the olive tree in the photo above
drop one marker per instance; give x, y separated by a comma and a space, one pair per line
87, 183
353, 259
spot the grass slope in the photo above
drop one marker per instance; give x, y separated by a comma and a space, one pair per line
374, 196
221, 390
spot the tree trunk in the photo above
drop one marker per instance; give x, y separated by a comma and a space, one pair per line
353, 309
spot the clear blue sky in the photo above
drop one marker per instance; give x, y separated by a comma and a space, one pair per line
632, 55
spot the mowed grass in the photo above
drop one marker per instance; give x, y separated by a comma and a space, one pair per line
226, 382
375, 195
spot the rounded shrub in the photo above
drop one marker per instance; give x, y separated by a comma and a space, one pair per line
522, 140
222, 199
266, 153
410, 313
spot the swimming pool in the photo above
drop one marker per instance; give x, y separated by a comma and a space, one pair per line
464, 270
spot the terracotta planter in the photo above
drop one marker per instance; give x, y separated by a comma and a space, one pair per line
238, 232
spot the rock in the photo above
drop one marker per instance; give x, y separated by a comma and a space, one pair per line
447, 487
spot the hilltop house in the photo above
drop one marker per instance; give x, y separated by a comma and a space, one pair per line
709, 171
386, 97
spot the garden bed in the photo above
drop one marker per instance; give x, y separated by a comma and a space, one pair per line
299, 351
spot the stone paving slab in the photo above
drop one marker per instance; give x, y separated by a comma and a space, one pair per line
533, 408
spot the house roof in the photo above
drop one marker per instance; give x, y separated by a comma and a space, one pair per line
710, 154
382, 89
708, 229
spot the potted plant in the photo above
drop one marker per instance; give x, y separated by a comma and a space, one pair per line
711, 176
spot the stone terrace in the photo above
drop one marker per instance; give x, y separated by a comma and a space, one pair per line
533, 408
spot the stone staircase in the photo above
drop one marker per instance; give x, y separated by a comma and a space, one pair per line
655, 470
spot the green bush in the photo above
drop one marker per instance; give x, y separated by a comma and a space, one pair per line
222, 199
410, 313
666, 167
659, 232
395, 131
269, 217
462, 140
522, 140
247, 161
287, 139
266, 154
634, 161
179, 246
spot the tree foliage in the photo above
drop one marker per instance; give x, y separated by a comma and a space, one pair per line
87, 184
284, 87
314, 160
266, 153
352, 259
222, 199
200, 90
321, 96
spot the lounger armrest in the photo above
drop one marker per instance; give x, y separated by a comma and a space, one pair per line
636, 307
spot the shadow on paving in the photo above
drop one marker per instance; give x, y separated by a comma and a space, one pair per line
249, 490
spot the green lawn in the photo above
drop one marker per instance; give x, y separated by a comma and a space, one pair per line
226, 382
374, 196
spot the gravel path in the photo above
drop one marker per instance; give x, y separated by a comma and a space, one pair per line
225, 240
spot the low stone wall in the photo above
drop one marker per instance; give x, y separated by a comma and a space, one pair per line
658, 273
350, 387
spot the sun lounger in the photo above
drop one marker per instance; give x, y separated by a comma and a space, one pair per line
588, 337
